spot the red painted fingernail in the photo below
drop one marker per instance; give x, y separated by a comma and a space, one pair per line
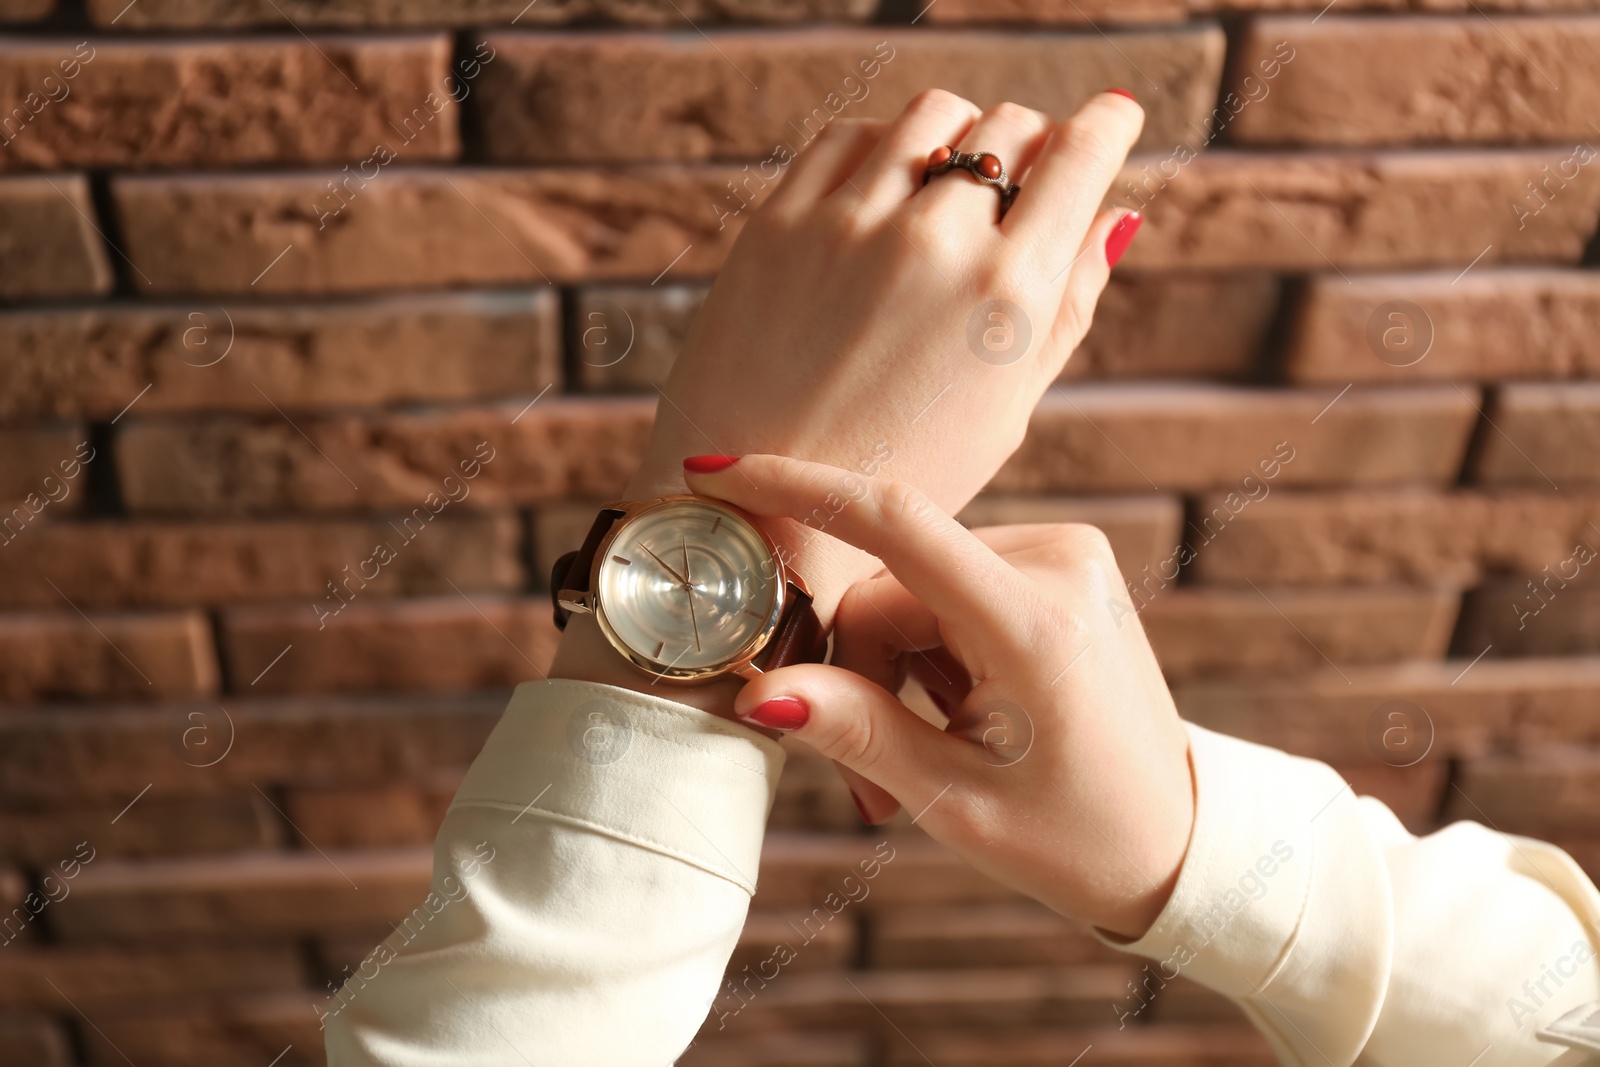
860, 808
1122, 235
780, 713
709, 464
1124, 92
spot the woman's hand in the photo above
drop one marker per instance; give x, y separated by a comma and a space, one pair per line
1063, 770
874, 323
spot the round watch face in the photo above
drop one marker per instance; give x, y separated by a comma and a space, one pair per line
687, 588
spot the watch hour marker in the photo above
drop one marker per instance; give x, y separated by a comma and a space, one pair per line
753, 614
716, 524
624, 562
662, 647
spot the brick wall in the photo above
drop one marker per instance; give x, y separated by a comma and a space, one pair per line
272, 269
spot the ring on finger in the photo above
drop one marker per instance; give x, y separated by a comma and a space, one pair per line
984, 166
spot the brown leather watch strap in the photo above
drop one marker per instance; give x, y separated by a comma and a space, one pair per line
798, 637
572, 569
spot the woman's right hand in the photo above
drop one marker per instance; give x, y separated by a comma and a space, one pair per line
1063, 771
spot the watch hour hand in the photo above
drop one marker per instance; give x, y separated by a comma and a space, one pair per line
664, 564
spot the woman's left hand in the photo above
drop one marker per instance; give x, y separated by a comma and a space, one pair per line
1063, 771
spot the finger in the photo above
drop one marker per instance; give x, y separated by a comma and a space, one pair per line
1086, 281
1011, 133
877, 622
875, 803
826, 163
894, 169
943, 677
1069, 180
943, 565
860, 725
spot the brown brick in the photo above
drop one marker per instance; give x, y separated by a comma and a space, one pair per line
998, 935
560, 447
1551, 616
1403, 536
249, 896
43, 835
248, 1028
34, 1041
1380, 80
1177, 326
1146, 326
1413, 793
627, 338
423, 228
1474, 709
1198, 632
108, 755
829, 947
1056, 12
1542, 435
1545, 793
25, 10
89, 361
379, 816
1192, 436
1316, 6
1310, 210
103, 976
811, 795
1233, 1045
154, 563
48, 243
977, 999
356, 14
1143, 530
35, 464
767, 95
55, 656
798, 871
1489, 325
172, 103
710, 1049
445, 644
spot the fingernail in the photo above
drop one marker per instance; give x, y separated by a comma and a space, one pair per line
1124, 92
1122, 235
708, 464
780, 713
860, 808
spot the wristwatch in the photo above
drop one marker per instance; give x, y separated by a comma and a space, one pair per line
689, 589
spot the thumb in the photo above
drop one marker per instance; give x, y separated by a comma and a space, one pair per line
858, 724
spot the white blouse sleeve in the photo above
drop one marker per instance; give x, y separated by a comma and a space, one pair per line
590, 882
1346, 939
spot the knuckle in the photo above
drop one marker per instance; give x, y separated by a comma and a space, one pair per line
1015, 115
856, 742
1084, 143
941, 101
898, 506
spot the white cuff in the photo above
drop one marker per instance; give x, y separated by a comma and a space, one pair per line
648, 771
